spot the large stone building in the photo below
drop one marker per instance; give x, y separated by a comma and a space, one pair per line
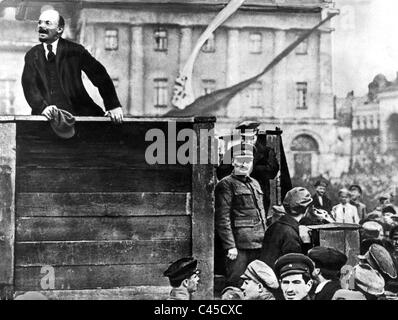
143, 45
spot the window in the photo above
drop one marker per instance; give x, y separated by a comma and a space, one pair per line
161, 93
302, 48
111, 39
365, 122
210, 45
301, 95
208, 86
371, 122
161, 39
7, 95
255, 95
256, 43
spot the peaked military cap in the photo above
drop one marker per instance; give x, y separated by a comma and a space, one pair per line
181, 269
243, 150
248, 125
380, 259
293, 263
328, 259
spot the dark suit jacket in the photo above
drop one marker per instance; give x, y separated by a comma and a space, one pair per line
281, 237
327, 204
71, 60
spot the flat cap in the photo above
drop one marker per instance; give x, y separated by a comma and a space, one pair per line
293, 263
368, 279
232, 293
181, 269
298, 197
322, 182
345, 294
248, 125
380, 259
260, 272
372, 229
243, 150
328, 259
355, 186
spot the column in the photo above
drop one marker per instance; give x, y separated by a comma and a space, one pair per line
279, 89
185, 45
136, 106
325, 75
232, 73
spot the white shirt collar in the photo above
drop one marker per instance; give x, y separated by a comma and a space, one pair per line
54, 44
320, 286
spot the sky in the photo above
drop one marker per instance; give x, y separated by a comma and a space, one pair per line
367, 50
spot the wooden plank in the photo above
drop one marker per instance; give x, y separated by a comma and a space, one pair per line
126, 119
352, 246
133, 293
102, 204
203, 182
7, 207
89, 277
90, 229
333, 239
56, 253
82, 180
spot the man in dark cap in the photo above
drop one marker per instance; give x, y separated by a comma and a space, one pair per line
239, 216
321, 201
265, 164
184, 278
294, 272
283, 236
356, 194
328, 264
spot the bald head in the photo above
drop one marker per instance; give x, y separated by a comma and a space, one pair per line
50, 26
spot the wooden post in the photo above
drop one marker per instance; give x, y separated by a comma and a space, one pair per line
7, 208
203, 182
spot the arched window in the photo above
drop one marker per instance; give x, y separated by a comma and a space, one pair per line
304, 149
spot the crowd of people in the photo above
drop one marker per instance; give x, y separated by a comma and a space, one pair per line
278, 257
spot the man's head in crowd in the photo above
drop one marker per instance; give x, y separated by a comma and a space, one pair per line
344, 196
368, 281
394, 238
384, 200
248, 131
320, 187
380, 259
371, 230
355, 192
242, 159
328, 263
184, 274
50, 26
294, 272
297, 202
259, 281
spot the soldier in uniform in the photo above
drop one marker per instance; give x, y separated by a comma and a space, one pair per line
260, 282
294, 272
265, 164
328, 264
184, 278
239, 216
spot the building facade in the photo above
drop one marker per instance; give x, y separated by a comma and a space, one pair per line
144, 44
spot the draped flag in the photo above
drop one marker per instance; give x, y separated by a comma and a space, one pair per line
183, 93
214, 101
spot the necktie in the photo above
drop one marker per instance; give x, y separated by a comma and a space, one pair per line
50, 55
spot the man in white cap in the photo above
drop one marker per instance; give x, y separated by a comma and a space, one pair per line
52, 74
